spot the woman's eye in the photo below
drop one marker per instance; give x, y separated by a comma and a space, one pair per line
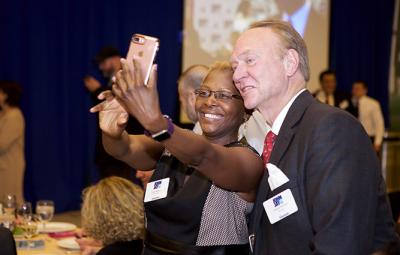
225, 96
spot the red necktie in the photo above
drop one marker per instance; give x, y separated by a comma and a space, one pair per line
268, 145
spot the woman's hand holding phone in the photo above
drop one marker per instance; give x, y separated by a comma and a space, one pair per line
138, 99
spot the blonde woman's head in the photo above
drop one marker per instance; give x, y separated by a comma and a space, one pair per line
112, 211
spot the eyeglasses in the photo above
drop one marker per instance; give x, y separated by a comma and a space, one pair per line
219, 95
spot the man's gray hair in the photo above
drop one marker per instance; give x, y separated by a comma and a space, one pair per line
291, 39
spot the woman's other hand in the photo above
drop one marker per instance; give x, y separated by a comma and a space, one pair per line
112, 116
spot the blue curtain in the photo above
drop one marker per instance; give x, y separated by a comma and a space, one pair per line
360, 44
48, 47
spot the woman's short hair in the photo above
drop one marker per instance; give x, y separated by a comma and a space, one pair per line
112, 211
13, 91
222, 66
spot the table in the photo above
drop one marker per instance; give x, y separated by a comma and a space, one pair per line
50, 248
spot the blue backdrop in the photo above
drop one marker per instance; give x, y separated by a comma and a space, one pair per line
360, 45
48, 46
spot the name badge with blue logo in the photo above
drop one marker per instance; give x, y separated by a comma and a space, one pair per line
280, 206
156, 190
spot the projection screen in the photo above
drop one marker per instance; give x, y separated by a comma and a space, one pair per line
211, 28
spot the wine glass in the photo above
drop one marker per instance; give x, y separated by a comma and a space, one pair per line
25, 211
10, 204
45, 211
30, 228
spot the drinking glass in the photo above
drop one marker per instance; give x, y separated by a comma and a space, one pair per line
45, 211
25, 211
10, 204
30, 229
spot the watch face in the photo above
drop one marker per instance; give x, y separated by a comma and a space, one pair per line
164, 135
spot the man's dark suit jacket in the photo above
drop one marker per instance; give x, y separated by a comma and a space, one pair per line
7, 243
335, 179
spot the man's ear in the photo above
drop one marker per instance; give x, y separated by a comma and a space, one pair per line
291, 62
192, 98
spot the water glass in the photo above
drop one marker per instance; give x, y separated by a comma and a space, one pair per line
45, 211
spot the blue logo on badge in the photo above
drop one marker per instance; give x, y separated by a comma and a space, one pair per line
157, 184
277, 200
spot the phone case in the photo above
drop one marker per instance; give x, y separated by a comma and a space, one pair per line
144, 48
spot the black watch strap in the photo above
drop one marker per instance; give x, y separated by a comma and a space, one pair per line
163, 134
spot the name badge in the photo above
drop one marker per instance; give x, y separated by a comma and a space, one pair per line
156, 190
280, 206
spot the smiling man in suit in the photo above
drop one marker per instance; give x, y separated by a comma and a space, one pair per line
318, 195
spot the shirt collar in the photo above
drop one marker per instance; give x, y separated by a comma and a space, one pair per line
276, 126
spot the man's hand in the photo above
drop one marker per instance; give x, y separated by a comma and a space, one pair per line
112, 116
91, 83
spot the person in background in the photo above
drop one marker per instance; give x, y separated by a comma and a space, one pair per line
112, 213
12, 139
108, 62
317, 195
188, 82
368, 111
328, 93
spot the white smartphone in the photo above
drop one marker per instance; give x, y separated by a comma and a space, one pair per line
144, 48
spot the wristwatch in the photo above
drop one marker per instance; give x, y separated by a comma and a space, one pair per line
163, 134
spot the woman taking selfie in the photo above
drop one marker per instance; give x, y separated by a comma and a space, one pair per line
203, 186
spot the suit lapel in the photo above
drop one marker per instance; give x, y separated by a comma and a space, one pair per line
288, 128
285, 137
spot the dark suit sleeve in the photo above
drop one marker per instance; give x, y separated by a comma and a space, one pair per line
7, 243
344, 189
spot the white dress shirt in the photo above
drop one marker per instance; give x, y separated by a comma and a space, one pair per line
324, 98
276, 126
255, 130
330, 100
370, 116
